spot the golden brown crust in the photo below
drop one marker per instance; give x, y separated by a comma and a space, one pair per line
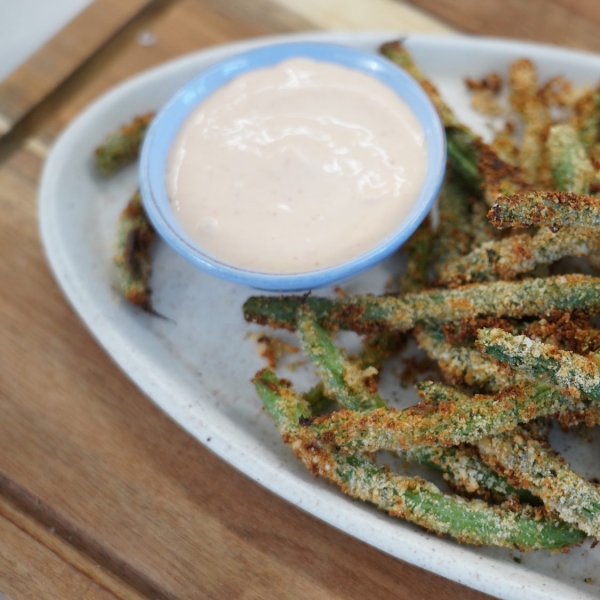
137, 123
546, 210
465, 331
491, 82
570, 331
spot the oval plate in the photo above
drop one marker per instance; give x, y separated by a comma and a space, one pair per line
197, 365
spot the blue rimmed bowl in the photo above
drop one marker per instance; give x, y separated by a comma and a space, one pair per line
162, 132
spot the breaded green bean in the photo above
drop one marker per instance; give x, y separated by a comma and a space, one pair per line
554, 209
122, 146
418, 251
572, 373
411, 498
529, 104
464, 470
517, 254
135, 238
523, 84
533, 465
454, 418
568, 160
532, 160
366, 314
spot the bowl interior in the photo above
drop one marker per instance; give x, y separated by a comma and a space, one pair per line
160, 136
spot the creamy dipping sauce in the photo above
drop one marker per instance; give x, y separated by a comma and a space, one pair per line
296, 167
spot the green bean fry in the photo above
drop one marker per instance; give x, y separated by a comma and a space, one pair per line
122, 146
132, 258
506, 259
454, 418
551, 209
531, 464
366, 314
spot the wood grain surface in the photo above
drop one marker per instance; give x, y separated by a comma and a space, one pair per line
28, 85
101, 495
573, 23
30, 570
37, 562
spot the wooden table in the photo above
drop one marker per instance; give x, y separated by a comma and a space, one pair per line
101, 495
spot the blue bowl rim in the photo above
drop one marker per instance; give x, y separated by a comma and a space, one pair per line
167, 122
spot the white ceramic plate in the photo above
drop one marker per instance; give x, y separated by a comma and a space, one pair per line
197, 367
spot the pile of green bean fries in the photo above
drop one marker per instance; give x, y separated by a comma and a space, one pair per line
484, 297
511, 337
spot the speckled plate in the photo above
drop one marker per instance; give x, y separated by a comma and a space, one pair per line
197, 365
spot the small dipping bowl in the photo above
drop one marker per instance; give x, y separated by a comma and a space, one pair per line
166, 124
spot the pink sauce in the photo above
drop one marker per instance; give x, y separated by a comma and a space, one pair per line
296, 167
